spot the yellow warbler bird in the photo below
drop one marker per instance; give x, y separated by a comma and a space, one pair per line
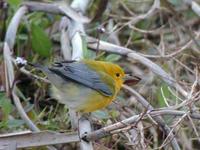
84, 86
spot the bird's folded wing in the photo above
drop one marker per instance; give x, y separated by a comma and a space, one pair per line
80, 73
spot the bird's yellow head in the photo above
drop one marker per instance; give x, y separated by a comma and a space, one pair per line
115, 71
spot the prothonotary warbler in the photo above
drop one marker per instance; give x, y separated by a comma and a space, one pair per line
86, 85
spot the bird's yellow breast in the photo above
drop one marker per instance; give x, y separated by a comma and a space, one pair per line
81, 98
94, 102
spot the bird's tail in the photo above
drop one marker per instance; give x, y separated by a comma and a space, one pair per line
39, 67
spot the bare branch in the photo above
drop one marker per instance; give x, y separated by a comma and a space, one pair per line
32, 139
106, 131
58, 8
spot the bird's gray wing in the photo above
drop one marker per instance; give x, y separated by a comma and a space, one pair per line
80, 73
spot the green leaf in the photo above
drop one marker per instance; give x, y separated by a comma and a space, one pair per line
114, 113
14, 3
143, 24
101, 114
5, 105
41, 43
22, 36
84, 47
3, 124
163, 92
176, 2
14, 123
112, 57
87, 54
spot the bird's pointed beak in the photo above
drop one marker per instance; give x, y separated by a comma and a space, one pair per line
131, 80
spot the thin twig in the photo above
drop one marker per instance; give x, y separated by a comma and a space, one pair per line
106, 131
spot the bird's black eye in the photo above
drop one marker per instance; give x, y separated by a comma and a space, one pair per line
117, 74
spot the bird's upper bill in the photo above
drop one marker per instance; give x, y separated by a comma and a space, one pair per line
131, 80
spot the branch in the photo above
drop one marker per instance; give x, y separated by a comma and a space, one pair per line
109, 130
32, 139
13, 26
151, 12
58, 8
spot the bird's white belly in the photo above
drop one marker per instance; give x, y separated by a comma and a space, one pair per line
72, 94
